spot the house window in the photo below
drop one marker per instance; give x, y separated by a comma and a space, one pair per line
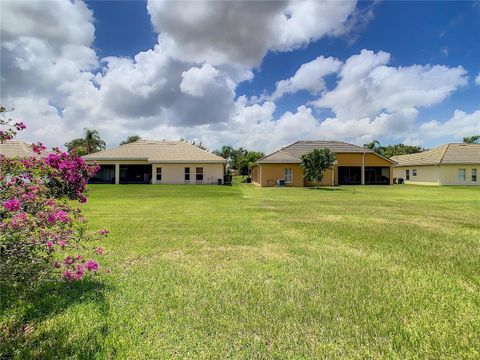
462, 175
159, 174
414, 172
407, 175
187, 174
199, 174
287, 175
474, 175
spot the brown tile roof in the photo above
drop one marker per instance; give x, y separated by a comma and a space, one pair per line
444, 154
293, 153
21, 149
156, 152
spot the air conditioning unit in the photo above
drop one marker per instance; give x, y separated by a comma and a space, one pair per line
281, 182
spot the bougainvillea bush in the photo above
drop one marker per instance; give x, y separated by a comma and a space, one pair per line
41, 233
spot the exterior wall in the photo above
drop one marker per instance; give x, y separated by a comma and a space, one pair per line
173, 173
268, 174
449, 174
438, 175
426, 174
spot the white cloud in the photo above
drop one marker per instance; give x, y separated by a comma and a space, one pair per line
242, 32
198, 81
477, 80
368, 87
310, 77
459, 125
185, 86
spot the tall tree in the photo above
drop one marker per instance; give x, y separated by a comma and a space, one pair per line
316, 162
472, 139
225, 152
400, 149
91, 142
248, 160
130, 139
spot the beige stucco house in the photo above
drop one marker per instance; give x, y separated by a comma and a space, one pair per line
355, 165
20, 149
157, 162
450, 164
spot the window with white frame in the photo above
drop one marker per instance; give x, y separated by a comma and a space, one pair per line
414, 172
187, 174
462, 175
159, 174
288, 175
474, 175
199, 174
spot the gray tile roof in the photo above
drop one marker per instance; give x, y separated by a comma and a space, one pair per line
444, 154
293, 153
21, 149
157, 152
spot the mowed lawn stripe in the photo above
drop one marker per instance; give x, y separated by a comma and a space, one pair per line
246, 272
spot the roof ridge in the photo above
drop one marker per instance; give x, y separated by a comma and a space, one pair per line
444, 153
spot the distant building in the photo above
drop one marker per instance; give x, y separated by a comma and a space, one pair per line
157, 162
450, 164
355, 165
20, 149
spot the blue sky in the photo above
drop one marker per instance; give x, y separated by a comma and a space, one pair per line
207, 90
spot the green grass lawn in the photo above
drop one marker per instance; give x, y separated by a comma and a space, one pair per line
246, 272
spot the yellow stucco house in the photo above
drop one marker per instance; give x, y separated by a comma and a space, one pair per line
450, 164
157, 162
355, 165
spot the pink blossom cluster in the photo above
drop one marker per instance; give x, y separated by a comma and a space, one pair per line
76, 267
38, 221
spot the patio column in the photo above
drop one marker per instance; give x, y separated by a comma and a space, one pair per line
117, 173
363, 169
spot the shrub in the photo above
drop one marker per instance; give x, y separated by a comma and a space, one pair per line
40, 232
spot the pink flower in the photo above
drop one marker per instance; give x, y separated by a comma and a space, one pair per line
62, 243
99, 250
79, 257
91, 265
50, 244
69, 275
80, 270
12, 205
38, 148
69, 260
107, 270
20, 126
104, 232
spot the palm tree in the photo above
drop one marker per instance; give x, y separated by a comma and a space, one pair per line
90, 143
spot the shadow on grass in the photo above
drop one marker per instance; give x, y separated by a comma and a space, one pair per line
25, 330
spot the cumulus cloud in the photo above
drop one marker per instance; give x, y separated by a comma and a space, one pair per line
185, 86
310, 77
242, 32
368, 87
461, 124
477, 80
44, 47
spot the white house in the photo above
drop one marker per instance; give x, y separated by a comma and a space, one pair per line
157, 162
450, 164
